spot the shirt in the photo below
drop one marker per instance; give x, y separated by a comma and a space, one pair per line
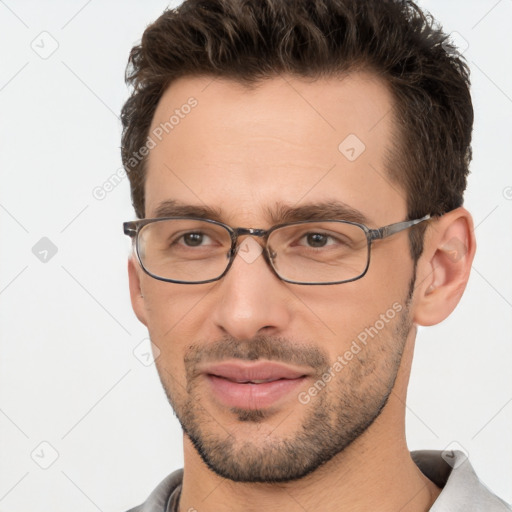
462, 491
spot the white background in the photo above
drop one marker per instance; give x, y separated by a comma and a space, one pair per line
68, 375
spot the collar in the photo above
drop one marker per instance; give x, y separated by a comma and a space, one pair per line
462, 491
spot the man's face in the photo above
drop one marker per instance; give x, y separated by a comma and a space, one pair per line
269, 379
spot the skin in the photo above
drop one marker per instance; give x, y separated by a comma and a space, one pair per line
244, 151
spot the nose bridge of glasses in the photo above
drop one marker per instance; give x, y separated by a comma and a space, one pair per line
241, 232
237, 244
250, 231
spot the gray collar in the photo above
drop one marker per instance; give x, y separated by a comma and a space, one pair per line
462, 490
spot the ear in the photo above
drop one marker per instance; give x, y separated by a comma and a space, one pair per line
136, 295
444, 266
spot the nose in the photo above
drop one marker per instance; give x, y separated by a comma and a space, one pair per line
250, 298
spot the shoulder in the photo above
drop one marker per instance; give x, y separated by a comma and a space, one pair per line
461, 488
158, 500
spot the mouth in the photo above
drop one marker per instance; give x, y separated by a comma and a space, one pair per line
254, 385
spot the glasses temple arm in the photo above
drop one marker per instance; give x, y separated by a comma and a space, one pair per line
130, 228
391, 229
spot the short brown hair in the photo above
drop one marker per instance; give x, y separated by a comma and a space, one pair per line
249, 41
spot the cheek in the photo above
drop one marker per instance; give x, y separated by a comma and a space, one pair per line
341, 310
391, 269
336, 316
174, 312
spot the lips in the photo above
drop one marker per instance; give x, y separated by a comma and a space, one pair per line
252, 385
264, 371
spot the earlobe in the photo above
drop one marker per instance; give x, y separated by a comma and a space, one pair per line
136, 295
444, 266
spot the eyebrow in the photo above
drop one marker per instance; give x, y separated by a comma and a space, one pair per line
173, 208
278, 214
328, 210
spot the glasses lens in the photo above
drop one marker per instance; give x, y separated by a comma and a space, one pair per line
184, 249
319, 252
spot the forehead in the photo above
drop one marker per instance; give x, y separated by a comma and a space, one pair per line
285, 141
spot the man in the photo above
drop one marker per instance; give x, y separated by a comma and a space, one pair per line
274, 149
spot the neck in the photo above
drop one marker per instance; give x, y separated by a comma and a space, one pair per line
375, 472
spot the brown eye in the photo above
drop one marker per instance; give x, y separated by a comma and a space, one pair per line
316, 240
193, 239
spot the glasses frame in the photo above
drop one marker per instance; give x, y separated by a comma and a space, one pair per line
133, 228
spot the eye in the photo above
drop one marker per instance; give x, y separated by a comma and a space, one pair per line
317, 239
194, 239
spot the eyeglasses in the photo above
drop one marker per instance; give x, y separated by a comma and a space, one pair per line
189, 250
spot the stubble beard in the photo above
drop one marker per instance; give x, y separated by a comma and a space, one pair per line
332, 420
